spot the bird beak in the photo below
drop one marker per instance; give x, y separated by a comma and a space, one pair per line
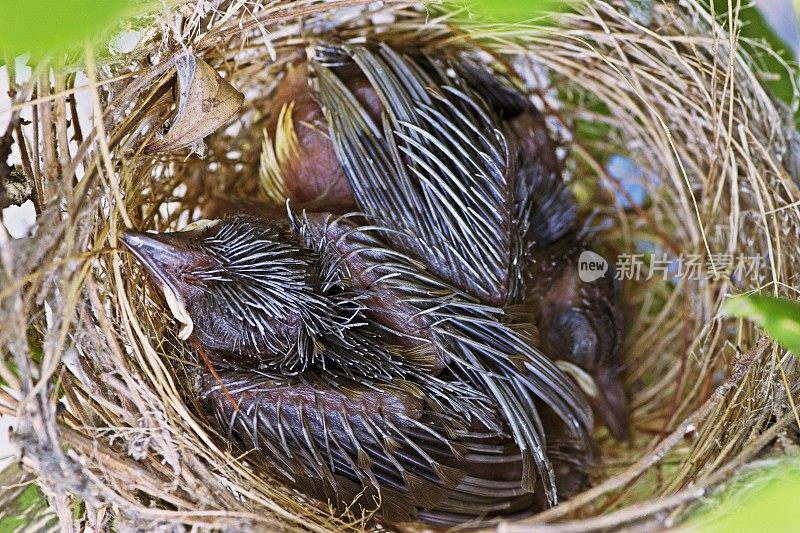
162, 255
610, 405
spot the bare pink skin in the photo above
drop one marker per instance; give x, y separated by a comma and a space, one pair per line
315, 179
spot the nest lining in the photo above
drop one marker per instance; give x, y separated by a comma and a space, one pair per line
680, 97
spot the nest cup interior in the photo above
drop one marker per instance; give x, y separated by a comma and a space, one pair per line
681, 101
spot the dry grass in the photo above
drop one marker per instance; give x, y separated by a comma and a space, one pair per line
682, 98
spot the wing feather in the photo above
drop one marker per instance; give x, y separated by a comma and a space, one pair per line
481, 351
374, 450
437, 170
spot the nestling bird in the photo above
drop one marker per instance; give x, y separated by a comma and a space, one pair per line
300, 324
580, 322
369, 357
304, 167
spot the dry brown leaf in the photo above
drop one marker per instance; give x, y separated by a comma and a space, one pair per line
205, 102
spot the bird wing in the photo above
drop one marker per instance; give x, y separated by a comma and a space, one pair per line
544, 207
366, 449
480, 351
436, 172
493, 357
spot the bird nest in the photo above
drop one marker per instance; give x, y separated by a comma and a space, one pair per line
707, 208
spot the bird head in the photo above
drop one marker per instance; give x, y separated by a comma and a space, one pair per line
239, 286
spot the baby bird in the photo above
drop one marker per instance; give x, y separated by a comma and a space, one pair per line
491, 131
369, 358
303, 167
581, 322
298, 322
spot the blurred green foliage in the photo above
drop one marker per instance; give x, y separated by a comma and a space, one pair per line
761, 499
42, 27
516, 10
779, 317
26, 507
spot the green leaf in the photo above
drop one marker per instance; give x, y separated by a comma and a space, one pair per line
763, 500
53, 26
516, 10
25, 507
779, 317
